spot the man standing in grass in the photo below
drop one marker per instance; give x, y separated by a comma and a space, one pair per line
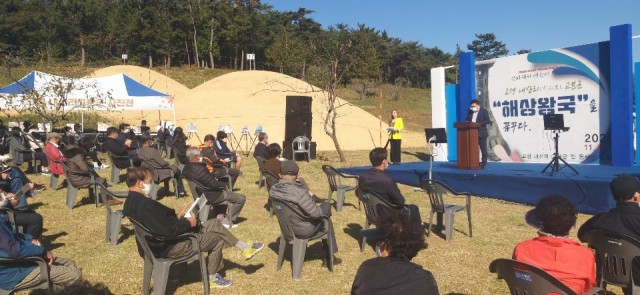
162, 220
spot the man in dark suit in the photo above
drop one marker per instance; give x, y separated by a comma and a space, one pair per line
152, 158
479, 115
262, 146
377, 181
119, 149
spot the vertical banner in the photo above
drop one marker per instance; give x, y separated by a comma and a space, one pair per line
438, 108
621, 96
637, 102
451, 102
519, 90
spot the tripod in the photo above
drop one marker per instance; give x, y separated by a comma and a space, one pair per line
555, 162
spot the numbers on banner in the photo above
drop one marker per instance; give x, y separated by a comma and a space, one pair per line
595, 138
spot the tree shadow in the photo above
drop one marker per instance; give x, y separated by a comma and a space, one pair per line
48, 240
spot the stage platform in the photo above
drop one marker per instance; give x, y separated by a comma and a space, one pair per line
518, 182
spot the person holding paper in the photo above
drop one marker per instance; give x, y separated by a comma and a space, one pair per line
212, 236
214, 189
395, 139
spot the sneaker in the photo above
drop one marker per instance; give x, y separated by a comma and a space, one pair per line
252, 251
219, 282
38, 187
104, 166
46, 173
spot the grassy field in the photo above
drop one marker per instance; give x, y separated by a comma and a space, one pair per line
460, 266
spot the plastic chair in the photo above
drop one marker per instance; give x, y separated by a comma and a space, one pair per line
335, 185
159, 267
43, 281
286, 215
523, 278
32, 162
154, 184
114, 218
177, 153
615, 253
261, 178
301, 145
115, 171
161, 145
271, 179
371, 200
436, 190
72, 191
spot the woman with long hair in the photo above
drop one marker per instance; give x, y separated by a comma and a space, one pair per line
395, 139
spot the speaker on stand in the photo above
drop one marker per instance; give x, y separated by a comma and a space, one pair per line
298, 122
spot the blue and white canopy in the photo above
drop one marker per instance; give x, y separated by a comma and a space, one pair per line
116, 92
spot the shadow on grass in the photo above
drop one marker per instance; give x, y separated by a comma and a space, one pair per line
34, 206
48, 240
248, 269
314, 251
125, 233
85, 287
420, 155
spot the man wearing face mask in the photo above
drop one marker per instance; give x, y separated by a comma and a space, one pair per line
209, 157
377, 181
163, 221
479, 115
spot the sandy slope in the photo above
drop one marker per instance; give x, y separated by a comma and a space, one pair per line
255, 98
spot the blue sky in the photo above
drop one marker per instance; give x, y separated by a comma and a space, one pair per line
536, 25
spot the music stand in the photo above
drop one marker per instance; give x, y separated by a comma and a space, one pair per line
555, 123
434, 135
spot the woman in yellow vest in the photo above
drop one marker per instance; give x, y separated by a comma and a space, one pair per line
394, 136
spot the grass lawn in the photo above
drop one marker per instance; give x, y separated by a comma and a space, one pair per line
460, 266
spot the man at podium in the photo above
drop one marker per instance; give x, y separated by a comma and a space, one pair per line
479, 115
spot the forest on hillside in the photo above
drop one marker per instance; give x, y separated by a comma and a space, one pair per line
213, 34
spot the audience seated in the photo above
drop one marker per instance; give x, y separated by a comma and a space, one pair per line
89, 145
144, 129
552, 250
210, 158
12, 179
288, 189
53, 152
180, 145
273, 160
27, 218
624, 218
378, 182
24, 153
212, 235
399, 240
34, 138
223, 151
77, 161
123, 133
149, 154
113, 145
261, 147
64, 274
68, 136
214, 189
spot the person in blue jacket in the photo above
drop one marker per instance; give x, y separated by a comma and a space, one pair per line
63, 272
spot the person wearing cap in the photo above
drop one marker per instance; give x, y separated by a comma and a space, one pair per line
552, 250
624, 218
291, 191
262, 146
399, 240
52, 150
223, 151
214, 190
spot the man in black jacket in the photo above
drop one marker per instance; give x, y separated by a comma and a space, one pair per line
479, 115
377, 181
163, 221
119, 149
215, 191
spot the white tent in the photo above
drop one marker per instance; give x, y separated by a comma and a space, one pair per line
116, 92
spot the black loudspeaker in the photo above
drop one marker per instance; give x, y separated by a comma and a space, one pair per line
298, 117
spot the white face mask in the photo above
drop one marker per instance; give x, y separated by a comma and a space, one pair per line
146, 189
475, 109
200, 159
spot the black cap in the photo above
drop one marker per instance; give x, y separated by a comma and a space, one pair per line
289, 167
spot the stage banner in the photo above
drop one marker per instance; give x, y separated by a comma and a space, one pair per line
518, 90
